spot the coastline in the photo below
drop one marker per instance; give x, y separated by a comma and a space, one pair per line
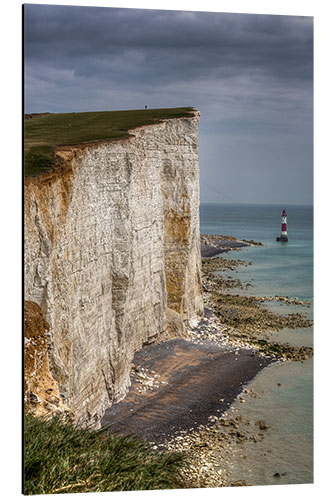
184, 391
215, 244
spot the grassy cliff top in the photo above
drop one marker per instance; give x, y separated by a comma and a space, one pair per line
45, 131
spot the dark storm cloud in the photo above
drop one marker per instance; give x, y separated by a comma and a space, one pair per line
249, 75
164, 45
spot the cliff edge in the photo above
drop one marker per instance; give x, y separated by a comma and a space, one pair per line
112, 255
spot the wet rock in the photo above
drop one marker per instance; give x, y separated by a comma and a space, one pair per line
262, 425
246, 315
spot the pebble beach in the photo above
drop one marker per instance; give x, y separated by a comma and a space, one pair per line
188, 394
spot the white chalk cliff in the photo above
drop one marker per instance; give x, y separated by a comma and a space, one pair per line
112, 255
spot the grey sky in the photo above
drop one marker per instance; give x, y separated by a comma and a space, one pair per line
250, 76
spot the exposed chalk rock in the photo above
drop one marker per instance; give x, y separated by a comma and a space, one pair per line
112, 255
41, 391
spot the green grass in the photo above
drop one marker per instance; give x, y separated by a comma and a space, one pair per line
62, 458
37, 159
42, 133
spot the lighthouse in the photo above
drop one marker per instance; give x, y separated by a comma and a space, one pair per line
284, 235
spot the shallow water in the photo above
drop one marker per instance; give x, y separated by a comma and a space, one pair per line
277, 269
287, 448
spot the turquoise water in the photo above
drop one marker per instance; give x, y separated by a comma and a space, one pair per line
277, 269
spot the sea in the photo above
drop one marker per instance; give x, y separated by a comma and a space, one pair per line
285, 390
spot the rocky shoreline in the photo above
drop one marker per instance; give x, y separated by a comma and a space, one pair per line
220, 438
182, 390
240, 321
245, 319
179, 395
215, 244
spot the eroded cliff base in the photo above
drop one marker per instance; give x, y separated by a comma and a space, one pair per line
41, 390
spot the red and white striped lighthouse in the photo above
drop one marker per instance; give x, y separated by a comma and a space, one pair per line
284, 234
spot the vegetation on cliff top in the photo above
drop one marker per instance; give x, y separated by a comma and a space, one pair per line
62, 458
45, 131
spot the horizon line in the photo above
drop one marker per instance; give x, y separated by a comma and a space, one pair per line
256, 203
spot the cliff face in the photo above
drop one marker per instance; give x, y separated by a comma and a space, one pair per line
112, 255
41, 391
